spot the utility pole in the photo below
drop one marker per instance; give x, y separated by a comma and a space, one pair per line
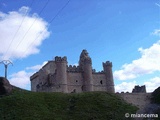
6, 63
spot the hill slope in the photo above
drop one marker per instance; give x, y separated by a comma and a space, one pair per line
25, 105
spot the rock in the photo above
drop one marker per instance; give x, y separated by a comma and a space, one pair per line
5, 86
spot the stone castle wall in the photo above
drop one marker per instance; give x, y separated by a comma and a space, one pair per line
50, 67
139, 89
99, 82
138, 99
74, 79
73, 68
34, 82
57, 76
74, 82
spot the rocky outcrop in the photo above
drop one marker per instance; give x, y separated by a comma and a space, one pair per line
5, 86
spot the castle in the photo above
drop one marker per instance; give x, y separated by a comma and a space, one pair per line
57, 76
139, 89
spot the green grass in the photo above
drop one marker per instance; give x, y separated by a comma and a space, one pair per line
25, 105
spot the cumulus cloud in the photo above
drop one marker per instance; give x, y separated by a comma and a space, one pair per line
22, 78
152, 84
146, 64
125, 86
36, 67
21, 33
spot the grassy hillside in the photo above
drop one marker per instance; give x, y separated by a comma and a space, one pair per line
24, 105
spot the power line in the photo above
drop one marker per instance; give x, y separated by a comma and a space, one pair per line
59, 11
48, 27
18, 28
44, 29
32, 24
50, 22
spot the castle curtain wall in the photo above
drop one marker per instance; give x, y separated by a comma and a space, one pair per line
57, 76
99, 82
74, 81
34, 83
50, 67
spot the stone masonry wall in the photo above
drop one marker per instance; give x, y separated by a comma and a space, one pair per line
50, 67
138, 99
74, 82
99, 82
57, 76
34, 81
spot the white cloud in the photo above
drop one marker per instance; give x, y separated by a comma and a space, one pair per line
125, 86
152, 84
156, 32
26, 41
148, 63
22, 78
36, 67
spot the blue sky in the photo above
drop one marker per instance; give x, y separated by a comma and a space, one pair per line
124, 32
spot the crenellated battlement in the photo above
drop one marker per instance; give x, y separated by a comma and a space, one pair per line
73, 68
60, 59
139, 89
99, 72
58, 76
107, 63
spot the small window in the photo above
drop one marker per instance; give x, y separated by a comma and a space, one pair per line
82, 88
101, 82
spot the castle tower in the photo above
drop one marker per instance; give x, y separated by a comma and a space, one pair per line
109, 76
61, 73
85, 64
